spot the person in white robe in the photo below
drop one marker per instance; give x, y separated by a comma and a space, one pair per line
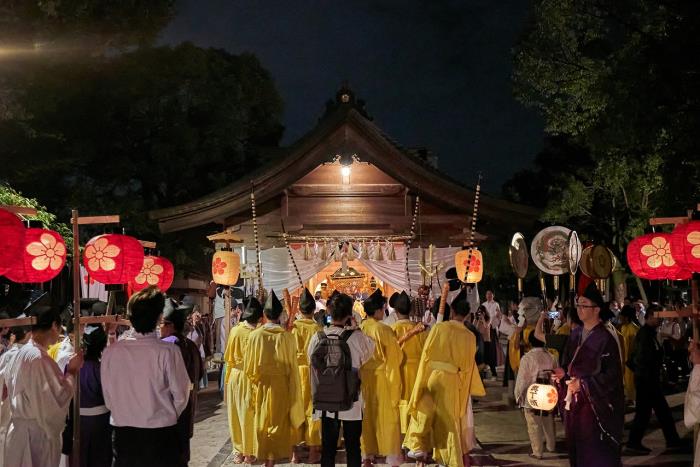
20, 336
40, 396
691, 411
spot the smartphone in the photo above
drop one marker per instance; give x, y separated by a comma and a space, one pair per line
553, 314
328, 320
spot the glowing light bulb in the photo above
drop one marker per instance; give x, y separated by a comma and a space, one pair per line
345, 171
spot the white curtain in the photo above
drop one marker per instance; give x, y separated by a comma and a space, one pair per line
278, 270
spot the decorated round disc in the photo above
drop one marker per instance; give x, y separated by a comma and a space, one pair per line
574, 252
517, 251
550, 250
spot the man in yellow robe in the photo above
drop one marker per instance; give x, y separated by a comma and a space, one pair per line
629, 328
303, 330
411, 349
381, 387
241, 416
270, 363
439, 405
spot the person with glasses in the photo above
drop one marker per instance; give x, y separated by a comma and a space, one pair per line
590, 377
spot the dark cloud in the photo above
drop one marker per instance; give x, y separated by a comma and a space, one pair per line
433, 73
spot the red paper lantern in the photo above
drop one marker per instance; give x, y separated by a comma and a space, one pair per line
113, 258
43, 257
12, 235
156, 271
649, 257
685, 245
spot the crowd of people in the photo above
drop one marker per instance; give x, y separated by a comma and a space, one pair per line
395, 381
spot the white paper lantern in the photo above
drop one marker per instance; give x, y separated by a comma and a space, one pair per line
542, 396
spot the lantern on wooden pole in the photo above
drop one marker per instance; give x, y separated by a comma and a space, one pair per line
113, 258
43, 255
157, 271
12, 235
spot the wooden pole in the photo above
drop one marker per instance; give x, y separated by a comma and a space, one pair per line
75, 456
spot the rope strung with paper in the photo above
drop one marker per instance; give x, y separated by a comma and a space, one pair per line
255, 236
410, 239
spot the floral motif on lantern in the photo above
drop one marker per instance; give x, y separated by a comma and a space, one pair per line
658, 252
150, 272
100, 254
694, 239
47, 252
218, 266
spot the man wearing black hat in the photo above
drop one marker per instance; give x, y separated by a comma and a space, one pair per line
241, 416
39, 395
271, 364
646, 362
391, 318
172, 329
146, 387
591, 379
303, 330
381, 387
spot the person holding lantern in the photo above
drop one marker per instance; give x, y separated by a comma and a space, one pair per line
412, 348
539, 422
303, 329
39, 395
241, 415
591, 379
270, 362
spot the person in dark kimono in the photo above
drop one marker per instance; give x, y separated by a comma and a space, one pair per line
591, 385
172, 330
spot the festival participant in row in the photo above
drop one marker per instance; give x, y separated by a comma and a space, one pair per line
303, 330
40, 396
629, 330
381, 387
18, 336
591, 378
172, 329
146, 387
241, 416
270, 363
411, 350
447, 378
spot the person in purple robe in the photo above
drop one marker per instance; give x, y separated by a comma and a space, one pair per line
590, 382
172, 329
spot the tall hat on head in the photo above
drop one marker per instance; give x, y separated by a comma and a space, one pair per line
94, 338
436, 307
460, 304
174, 313
402, 304
273, 307
307, 303
452, 279
253, 310
593, 294
392, 299
373, 302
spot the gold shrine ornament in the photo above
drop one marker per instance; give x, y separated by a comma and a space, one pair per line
476, 267
225, 267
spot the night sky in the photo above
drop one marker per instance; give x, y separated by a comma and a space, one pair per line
433, 73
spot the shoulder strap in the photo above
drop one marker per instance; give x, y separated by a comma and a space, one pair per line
346, 334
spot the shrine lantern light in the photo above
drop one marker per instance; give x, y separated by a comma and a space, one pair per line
113, 258
542, 396
650, 257
43, 255
685, 245
225, 267
155, 270
476, 267
12, 235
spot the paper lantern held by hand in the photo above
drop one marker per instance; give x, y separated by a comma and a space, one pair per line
542, 396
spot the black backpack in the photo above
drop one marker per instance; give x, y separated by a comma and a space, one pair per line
335, 385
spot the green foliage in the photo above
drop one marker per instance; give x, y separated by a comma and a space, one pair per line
619, 79
11, 197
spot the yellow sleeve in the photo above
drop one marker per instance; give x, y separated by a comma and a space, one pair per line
297, 410
394, 355
251, 359
228, 356
423, 370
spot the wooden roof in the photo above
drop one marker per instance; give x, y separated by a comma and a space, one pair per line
344, 130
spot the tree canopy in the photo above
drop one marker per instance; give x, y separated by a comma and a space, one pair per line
618, 81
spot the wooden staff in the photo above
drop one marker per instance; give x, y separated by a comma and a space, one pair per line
261, 293
417, 329
291, 256
288, 307
443, 302
410, 239
473, 228
76, 329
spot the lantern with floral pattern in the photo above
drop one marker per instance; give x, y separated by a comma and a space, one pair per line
685, 245
113, 258
155, 270
225, 267
12, 235
476, 266
43, 255
650, 257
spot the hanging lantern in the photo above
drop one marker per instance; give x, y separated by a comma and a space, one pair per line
307, 252
378, 253
12, 235
323, 255
542, 396
155, 270
391, 252
476, 267
43, 257
650, 257
113, 258
225, 267
351, 252
685, 245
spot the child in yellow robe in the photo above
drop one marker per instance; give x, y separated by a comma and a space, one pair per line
303, 330
629, 328
238, 387
447, 378
381, 387
411, 349
270, 362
